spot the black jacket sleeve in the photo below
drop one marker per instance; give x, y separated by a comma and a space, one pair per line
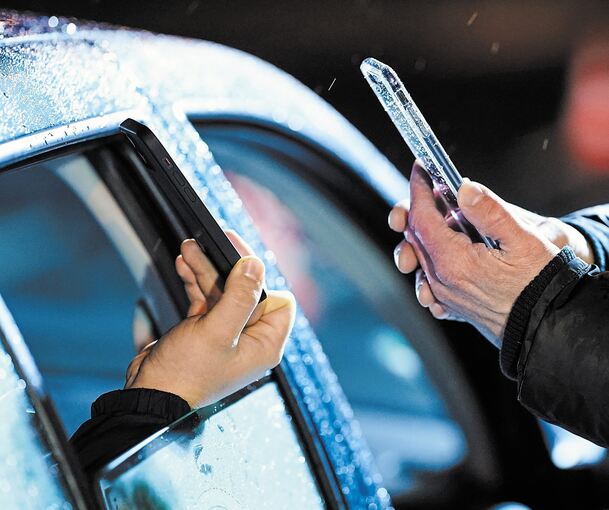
593, 223
557, 347
120, 420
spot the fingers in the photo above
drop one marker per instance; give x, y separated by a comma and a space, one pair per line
423, 290
273, 327
405, 258
403, 255
199, 276
244, 250
491, 215
204, 272
427, 222
242, 247
398, 216
427, 299
241, 295
439, 312
198, 302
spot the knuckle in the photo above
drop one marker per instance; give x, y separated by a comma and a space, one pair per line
487, 205
445, 273
453, 270
495, 214
244, 295
441, 294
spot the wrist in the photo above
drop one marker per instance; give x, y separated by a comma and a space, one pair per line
570, 236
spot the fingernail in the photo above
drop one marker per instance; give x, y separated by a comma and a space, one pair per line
252, 267
470, 193
390, 219
396, 255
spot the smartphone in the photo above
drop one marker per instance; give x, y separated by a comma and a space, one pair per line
169, 179
421, 140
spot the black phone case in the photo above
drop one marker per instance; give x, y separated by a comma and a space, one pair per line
170, 180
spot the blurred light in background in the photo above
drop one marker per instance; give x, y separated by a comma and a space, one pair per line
587, 109
568, 450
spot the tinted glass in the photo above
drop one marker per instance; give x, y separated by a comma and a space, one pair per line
344, 285
70, 278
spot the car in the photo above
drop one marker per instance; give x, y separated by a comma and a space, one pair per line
373, 398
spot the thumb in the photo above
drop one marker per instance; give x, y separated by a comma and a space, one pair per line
241, 294
489, 214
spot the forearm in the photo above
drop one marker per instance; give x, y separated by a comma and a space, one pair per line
121, 420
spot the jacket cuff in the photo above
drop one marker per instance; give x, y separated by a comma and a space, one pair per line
144, 401
593, 231
521, 311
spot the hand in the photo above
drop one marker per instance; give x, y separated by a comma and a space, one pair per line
552, 229
464, 280
213, 353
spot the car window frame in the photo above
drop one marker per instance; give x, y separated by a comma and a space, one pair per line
313, 448
124, 190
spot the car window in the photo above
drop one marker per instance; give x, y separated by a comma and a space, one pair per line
30, 476
342, 282
243, 453
72, 277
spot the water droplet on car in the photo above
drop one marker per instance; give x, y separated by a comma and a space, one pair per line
206, 469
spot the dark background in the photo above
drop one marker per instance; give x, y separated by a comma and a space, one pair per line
489, 76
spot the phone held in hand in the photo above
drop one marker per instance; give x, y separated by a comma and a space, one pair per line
421, 140
171, 182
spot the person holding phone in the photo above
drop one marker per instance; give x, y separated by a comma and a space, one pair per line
541, 297
207, 356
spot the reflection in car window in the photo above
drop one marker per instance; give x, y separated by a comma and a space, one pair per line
245, 456
339, 279
29, 475
70, 279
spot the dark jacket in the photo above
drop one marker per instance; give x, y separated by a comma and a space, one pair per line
556, 342
556, 346
120, 420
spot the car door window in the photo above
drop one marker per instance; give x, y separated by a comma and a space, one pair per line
30, 473
73, 274
242, 453
342, 283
